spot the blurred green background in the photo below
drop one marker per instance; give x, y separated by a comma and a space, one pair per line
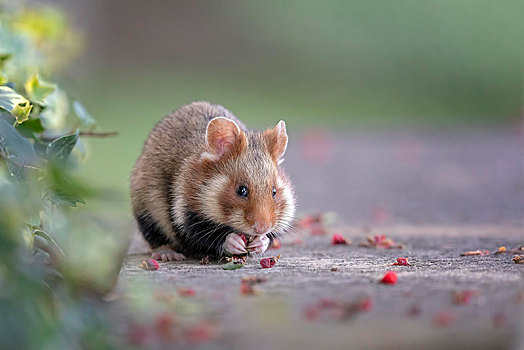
336, 64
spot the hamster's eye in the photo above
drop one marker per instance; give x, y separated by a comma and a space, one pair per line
274, 191
242, 191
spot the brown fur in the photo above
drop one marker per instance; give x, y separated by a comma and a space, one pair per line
179, 172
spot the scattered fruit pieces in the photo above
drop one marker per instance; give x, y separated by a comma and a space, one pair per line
149, 265
204, 261
267, 263
475, 252
186, 292
402, 262
381, 241
390, 277
338, 239
332, 309
275, 244
518, 259
463, 297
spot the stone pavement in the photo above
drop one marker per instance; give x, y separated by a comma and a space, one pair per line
439, 194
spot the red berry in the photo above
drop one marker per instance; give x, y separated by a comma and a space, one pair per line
463, 297
402, 262
186, 292
338, 239
267, 263
390, 277
149, 264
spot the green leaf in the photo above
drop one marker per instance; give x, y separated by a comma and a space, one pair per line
29, 127
14, 103
50, 239
232, 266
15, 147
60, 197
82, 114
61, 148
38, 90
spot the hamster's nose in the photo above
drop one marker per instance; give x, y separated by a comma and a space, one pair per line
261, 227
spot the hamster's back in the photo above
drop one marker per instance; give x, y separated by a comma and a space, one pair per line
174, 139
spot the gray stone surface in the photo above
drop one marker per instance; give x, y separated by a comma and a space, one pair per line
439, 193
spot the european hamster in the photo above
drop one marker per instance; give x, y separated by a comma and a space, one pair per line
203, 179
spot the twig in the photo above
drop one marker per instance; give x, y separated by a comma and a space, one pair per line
83, 134
98, 134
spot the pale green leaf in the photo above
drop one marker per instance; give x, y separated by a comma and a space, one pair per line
37, 89
82, 114
61, 148
14, 103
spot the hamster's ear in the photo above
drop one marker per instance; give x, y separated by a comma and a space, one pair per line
276, 141
223, 137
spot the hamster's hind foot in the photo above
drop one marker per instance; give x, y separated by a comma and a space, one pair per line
165, 253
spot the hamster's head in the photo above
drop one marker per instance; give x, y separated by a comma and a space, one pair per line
242, 182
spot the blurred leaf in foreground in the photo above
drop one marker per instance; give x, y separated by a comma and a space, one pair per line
38, 90
61, 148
14, 103
82, 114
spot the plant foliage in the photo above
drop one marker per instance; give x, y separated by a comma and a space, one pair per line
55, 261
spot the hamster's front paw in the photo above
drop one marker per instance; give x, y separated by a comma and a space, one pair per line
259, 244
234, 244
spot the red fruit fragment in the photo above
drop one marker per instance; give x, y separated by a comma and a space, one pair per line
200, 333
186, 292
149, 264
444, 318
311, 313
463, 297
247, 288
390, 277
267, 263
338, 239
244, 237
275, 244
402, 262
138, 334
365, 304
164, 324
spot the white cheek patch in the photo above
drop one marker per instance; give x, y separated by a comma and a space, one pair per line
237, 220
210, 195
206, 155
289, 209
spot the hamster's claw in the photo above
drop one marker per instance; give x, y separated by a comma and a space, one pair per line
259, 245
234, 244
165, 253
